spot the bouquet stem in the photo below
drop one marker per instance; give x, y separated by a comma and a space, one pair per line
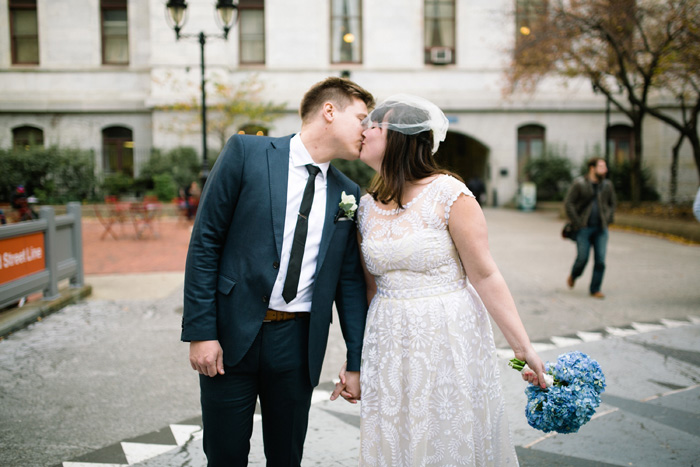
522, 366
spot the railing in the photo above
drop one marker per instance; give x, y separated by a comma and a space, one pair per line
28, 265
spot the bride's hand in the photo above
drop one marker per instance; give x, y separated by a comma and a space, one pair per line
536, 373
339, 386
342, 389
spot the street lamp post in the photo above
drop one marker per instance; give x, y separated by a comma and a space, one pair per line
227, 15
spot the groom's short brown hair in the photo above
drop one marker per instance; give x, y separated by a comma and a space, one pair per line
339, 91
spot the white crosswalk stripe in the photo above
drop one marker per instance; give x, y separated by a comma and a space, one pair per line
139, 452
183, 433
590, 336
619, 332
611, 331
647, 327
565, 341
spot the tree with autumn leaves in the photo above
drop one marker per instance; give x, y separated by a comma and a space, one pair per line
231, 106
643, 55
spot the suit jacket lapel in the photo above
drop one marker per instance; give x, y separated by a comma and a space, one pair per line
278, 169
333, 190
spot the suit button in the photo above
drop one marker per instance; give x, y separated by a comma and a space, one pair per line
276, 265
265, 299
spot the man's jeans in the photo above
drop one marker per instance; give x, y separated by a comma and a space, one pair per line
587, 237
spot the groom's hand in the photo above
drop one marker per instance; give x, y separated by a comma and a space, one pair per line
352, 386
349, 385
207, 357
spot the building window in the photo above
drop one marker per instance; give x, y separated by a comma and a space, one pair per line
24, 137
529, 17
118, 150
531, 145
439, 31
620, 143
24, 32
115, 32
251, 31
530, 21
346, 31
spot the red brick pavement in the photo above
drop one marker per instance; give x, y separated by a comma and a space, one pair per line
165, 251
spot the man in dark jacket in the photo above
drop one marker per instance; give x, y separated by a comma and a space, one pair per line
271, 250
590, 206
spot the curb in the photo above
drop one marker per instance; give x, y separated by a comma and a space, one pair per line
680, 231
14, 319
688, 231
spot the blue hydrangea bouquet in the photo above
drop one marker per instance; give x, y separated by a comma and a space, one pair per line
574, 384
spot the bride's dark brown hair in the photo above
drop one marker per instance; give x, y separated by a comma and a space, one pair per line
407, 158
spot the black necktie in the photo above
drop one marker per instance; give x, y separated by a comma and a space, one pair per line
291, 283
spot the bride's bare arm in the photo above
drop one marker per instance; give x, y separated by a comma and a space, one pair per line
467, 227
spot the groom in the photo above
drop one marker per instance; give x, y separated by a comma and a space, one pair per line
271, 250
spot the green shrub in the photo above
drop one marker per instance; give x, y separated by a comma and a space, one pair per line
357, 171
116, 184
164, 187
74, 177
54, 175
181, 164
552, 175
621, 175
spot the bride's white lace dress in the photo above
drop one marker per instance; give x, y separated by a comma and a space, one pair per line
430, 389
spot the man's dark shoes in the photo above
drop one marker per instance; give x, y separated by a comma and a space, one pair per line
570, 282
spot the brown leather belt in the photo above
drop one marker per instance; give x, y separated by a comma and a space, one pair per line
274, 315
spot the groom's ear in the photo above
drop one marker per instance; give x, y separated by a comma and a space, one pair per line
328, 110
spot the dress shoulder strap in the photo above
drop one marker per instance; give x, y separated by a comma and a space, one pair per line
444, 193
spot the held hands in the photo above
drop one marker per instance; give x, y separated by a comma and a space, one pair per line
535, 374
348, 387
207, 357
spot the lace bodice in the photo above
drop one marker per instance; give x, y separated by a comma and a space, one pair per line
410, 251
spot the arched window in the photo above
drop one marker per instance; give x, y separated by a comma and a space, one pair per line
118, 150
23, 137
620, 143
531, 144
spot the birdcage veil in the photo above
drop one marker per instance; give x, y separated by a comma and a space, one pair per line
410, 115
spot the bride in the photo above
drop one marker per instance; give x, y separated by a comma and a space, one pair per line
429, 375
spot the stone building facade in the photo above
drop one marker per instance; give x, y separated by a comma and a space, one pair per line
97, 74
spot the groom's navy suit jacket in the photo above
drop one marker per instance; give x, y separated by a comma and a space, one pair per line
234, 255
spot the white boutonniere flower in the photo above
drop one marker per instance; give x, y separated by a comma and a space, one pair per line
348, 205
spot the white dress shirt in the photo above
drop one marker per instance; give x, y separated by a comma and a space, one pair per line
298, 175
